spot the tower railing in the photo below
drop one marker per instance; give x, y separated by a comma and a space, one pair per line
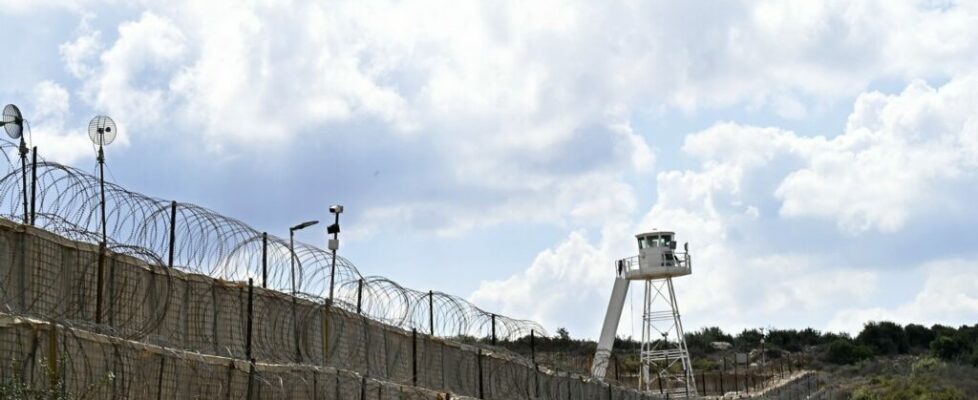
673, 260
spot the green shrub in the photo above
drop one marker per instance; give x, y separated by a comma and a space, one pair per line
884, 338
948, 347
844, 351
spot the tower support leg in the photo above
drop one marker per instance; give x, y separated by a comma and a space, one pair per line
664, 353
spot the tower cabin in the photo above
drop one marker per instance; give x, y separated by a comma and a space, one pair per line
657, 258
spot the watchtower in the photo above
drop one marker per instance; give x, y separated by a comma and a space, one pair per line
665, 364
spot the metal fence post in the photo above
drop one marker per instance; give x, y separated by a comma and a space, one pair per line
173, 232
722, 373
493, 329
481, 387
251, 312
230, 377
251, 378
536, 368
414, 357
53, 356
431, 312
33, 185
264, 260
360, 296
159, 380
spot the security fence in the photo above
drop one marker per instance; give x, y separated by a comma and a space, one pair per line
115, 294
49, 277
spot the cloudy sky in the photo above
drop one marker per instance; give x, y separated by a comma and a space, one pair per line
820, 157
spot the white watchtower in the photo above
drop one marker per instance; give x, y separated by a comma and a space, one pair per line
664, 358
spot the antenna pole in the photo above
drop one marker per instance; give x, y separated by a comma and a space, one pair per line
23, 170
104, 244
101, 182
34, 186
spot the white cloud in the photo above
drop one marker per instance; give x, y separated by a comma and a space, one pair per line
902, 158
511, 94
132, 79
949, 296
79, 55
48, 131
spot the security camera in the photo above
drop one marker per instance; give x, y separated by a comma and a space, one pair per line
336, 209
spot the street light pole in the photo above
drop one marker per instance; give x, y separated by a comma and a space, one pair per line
292, 258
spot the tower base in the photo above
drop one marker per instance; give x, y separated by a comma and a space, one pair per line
664, 357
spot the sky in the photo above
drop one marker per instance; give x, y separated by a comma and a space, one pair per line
821, 158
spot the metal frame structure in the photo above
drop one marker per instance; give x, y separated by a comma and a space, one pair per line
665, 363
667, 359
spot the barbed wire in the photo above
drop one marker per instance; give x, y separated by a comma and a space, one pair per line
67, 201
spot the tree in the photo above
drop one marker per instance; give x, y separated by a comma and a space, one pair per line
562, 334
884, 338
845, 351
748, 339
948, 347
919, 336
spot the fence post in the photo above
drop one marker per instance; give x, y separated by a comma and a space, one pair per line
481, 388
53, 356
173, 231
215, 319
493, 329
363, 388
431, 312
264, 260
536, 368
414, 357
159, 380
251, 378
230, 377
33, 185
722, 373
251, 313
360, 296
736, 377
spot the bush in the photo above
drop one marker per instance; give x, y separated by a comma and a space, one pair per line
948, 347
843, 351
919, 336
884, 338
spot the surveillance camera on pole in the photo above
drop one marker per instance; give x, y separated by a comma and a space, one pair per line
334, 244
